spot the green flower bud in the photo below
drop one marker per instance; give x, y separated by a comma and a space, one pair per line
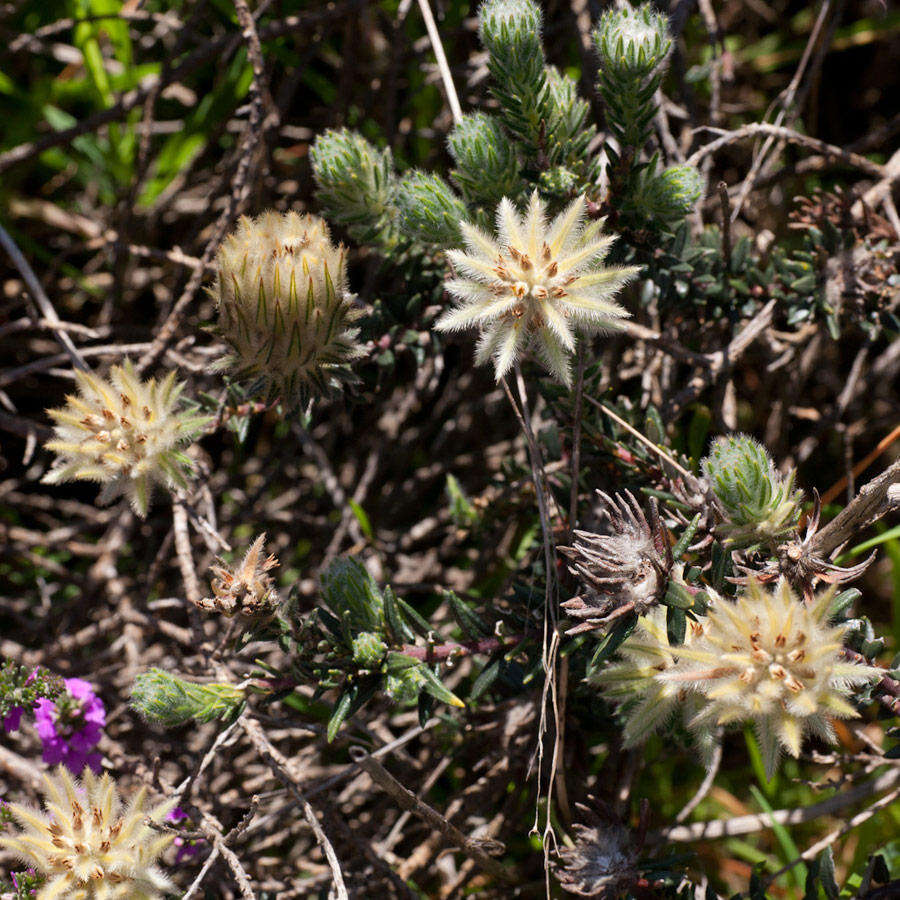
405, 687
758, 503
632, 43
356, 185
486, 166
430, 212
284, 307
510, 27
368, 649
667, 196
511, 32
169, 700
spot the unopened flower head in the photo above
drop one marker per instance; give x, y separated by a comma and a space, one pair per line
772, 660
88, 844
632, 42
124, 433
534, 286
759, 503
635, 682
620, 573
281, 289
246, 589
508, 21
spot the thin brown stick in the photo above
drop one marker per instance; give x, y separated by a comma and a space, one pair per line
407, 800
793, 137
39, 297
278, 763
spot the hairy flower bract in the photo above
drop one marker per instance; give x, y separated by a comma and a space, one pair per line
758, 502
88, 844
124, 433
284, 309
634, 681
534, 286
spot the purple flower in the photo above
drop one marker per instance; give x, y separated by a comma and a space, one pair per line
185, 848
176, 816
12, 719
71, 728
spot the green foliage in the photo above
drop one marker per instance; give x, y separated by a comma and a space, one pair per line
632, 46
461, 509
22, 686
22, 885
361, 642
169, 701
511, 33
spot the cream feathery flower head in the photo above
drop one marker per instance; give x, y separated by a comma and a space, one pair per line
124, 433
772, 660
534, 286
634, 680
88, 844
284, 309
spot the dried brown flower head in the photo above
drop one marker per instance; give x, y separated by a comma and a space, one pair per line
247, 589
603, 862
622, 572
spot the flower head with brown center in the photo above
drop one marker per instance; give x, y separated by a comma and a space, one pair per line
534, 286
772, 660
124, 433
87, 844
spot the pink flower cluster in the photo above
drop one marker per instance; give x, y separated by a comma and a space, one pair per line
71, 730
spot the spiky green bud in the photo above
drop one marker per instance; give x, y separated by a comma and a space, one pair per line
566, 134
430, 212
511, 33
666, 197
353, 594
368, 649
356, 185
169, 700
486, 165
632, 43
511, 28
758, 503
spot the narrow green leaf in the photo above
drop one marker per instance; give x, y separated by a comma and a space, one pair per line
340, 713
434, 686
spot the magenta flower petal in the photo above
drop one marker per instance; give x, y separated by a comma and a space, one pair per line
13, 718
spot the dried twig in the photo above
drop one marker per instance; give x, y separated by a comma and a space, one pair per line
408, 800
